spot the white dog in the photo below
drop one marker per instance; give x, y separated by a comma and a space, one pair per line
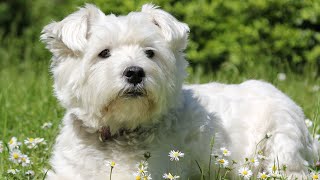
120, 80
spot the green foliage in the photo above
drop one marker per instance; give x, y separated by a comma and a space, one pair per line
229, 33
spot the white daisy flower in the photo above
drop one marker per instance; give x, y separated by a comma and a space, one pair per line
254, 162
222, 162
225, 151
170, 176
13, 143
46, 125
30, 173
15, 156
315, 88
112, 164
308, 123
314, 175
142, 177
30, 142
142, 170
12, 171
281, 76
25, 161
1, 146
174, 155
263, 175
142, 163
245, 173
33, 142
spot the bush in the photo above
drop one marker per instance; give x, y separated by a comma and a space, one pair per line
240, 33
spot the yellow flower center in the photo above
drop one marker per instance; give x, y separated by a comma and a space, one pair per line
264, 176
23, 159
252, 160
274, 168
245, 172
145, 178
175, 154
170, 176
31, 140
225, 152
221, 161
138, 177
15, 155
315, 176
11, 141
112, 164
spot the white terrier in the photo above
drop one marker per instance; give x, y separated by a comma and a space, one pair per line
120, 80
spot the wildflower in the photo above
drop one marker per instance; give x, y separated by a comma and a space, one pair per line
263, 175
314, 175
1, 147
143, 177
225, 151
13, 143
30, 173
33, 142
261, 156
222, 162
308, 122
112, 164
15, 156
254, 162
245, 172
174, 155
25, 161
315, 88
142, 170
46, 125
281, 76
12, 171
170, 176
142, 163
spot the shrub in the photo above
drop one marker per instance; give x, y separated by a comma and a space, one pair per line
240, 33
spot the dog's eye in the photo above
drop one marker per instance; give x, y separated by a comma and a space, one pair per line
149, 53
105, 53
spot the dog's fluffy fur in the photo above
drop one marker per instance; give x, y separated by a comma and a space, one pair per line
167, 116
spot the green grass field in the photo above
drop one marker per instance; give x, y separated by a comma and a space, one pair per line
27, 102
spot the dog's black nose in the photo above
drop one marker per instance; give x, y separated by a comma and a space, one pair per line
134, 74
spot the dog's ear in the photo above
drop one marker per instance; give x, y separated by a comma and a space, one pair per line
175, 32
69, 36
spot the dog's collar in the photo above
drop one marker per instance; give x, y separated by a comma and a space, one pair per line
105, 133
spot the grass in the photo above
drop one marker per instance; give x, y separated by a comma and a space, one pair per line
27, 102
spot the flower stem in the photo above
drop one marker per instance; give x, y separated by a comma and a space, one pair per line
111, 172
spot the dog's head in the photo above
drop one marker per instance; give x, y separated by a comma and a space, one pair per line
119, 71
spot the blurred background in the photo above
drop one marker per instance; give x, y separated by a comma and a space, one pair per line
230, 41
224, 34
